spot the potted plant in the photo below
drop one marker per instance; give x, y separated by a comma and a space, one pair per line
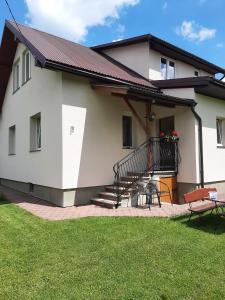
172, 136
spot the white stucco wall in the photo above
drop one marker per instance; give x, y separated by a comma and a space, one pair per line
96, 145
146, 61
134, 56
42, 93
214, 157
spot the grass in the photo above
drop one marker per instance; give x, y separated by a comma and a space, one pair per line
110, 258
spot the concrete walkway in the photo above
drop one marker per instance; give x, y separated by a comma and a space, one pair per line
51, 212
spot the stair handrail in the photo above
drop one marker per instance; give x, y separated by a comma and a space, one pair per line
148, 143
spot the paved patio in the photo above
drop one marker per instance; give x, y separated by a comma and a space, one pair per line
48, 211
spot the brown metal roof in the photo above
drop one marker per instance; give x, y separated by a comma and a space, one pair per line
47, 47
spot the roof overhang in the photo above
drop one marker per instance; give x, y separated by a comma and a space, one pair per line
142, 95
204, 85
166, 49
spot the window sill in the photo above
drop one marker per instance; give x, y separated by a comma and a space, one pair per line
11, 154
26, 81
36, 150
16, 90
220, 147
129, 148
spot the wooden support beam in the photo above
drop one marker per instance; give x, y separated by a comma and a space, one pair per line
141, 123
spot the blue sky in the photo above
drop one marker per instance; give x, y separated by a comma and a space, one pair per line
197, 26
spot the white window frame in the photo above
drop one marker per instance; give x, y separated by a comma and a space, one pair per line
167, 67
26, 70
12, 140
16, 76
221, 133
35, 133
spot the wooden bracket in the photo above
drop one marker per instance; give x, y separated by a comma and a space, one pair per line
142, 124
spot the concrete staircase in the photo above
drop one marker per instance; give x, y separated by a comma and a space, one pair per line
108, 198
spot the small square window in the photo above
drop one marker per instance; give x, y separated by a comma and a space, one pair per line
196, 74
35, 132
12, 140
220, 131
26, 66
16, 76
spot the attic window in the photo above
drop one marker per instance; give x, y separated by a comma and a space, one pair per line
16, 76
26, 66
196, 74
167, 69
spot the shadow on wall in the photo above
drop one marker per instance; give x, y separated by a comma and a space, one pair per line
212, 224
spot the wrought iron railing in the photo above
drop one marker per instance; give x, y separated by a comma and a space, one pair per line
156, 154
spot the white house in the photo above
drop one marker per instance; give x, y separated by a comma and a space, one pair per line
70, 114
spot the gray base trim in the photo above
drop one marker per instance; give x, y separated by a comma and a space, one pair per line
59, 197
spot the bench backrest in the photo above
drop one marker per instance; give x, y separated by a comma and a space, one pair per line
198, 194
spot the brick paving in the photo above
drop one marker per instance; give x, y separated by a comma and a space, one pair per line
48, 211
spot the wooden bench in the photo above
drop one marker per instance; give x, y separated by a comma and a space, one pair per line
200, 194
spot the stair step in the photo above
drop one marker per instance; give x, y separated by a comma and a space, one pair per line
129, 178
112, 196
104, 202
114, 188
125, 183
135, 174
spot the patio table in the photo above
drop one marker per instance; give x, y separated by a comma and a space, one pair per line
220, 203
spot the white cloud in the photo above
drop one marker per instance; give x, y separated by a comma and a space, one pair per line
192, 31
165, 5
72, 18
117, 40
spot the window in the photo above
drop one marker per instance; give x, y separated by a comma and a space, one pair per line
16, 76
163, 68
127, 132
12, 140
196, 74
220, 131
26, 66
171, 70
167, 69
35, 132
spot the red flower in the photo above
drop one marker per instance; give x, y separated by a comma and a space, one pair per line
175, 133
162, 134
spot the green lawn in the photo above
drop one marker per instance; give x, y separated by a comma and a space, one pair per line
110, 258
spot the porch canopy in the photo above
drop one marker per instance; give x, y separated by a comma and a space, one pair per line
137, 93
204, 85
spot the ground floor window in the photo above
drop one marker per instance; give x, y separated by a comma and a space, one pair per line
127, 132
35, 132
12, 140
220, 131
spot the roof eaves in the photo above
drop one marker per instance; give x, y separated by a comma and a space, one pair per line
90, 74
18, 34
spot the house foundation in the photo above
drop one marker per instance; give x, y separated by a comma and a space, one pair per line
59, 197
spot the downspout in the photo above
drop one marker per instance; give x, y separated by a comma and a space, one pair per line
200, 142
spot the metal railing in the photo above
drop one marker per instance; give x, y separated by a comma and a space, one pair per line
155, 154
